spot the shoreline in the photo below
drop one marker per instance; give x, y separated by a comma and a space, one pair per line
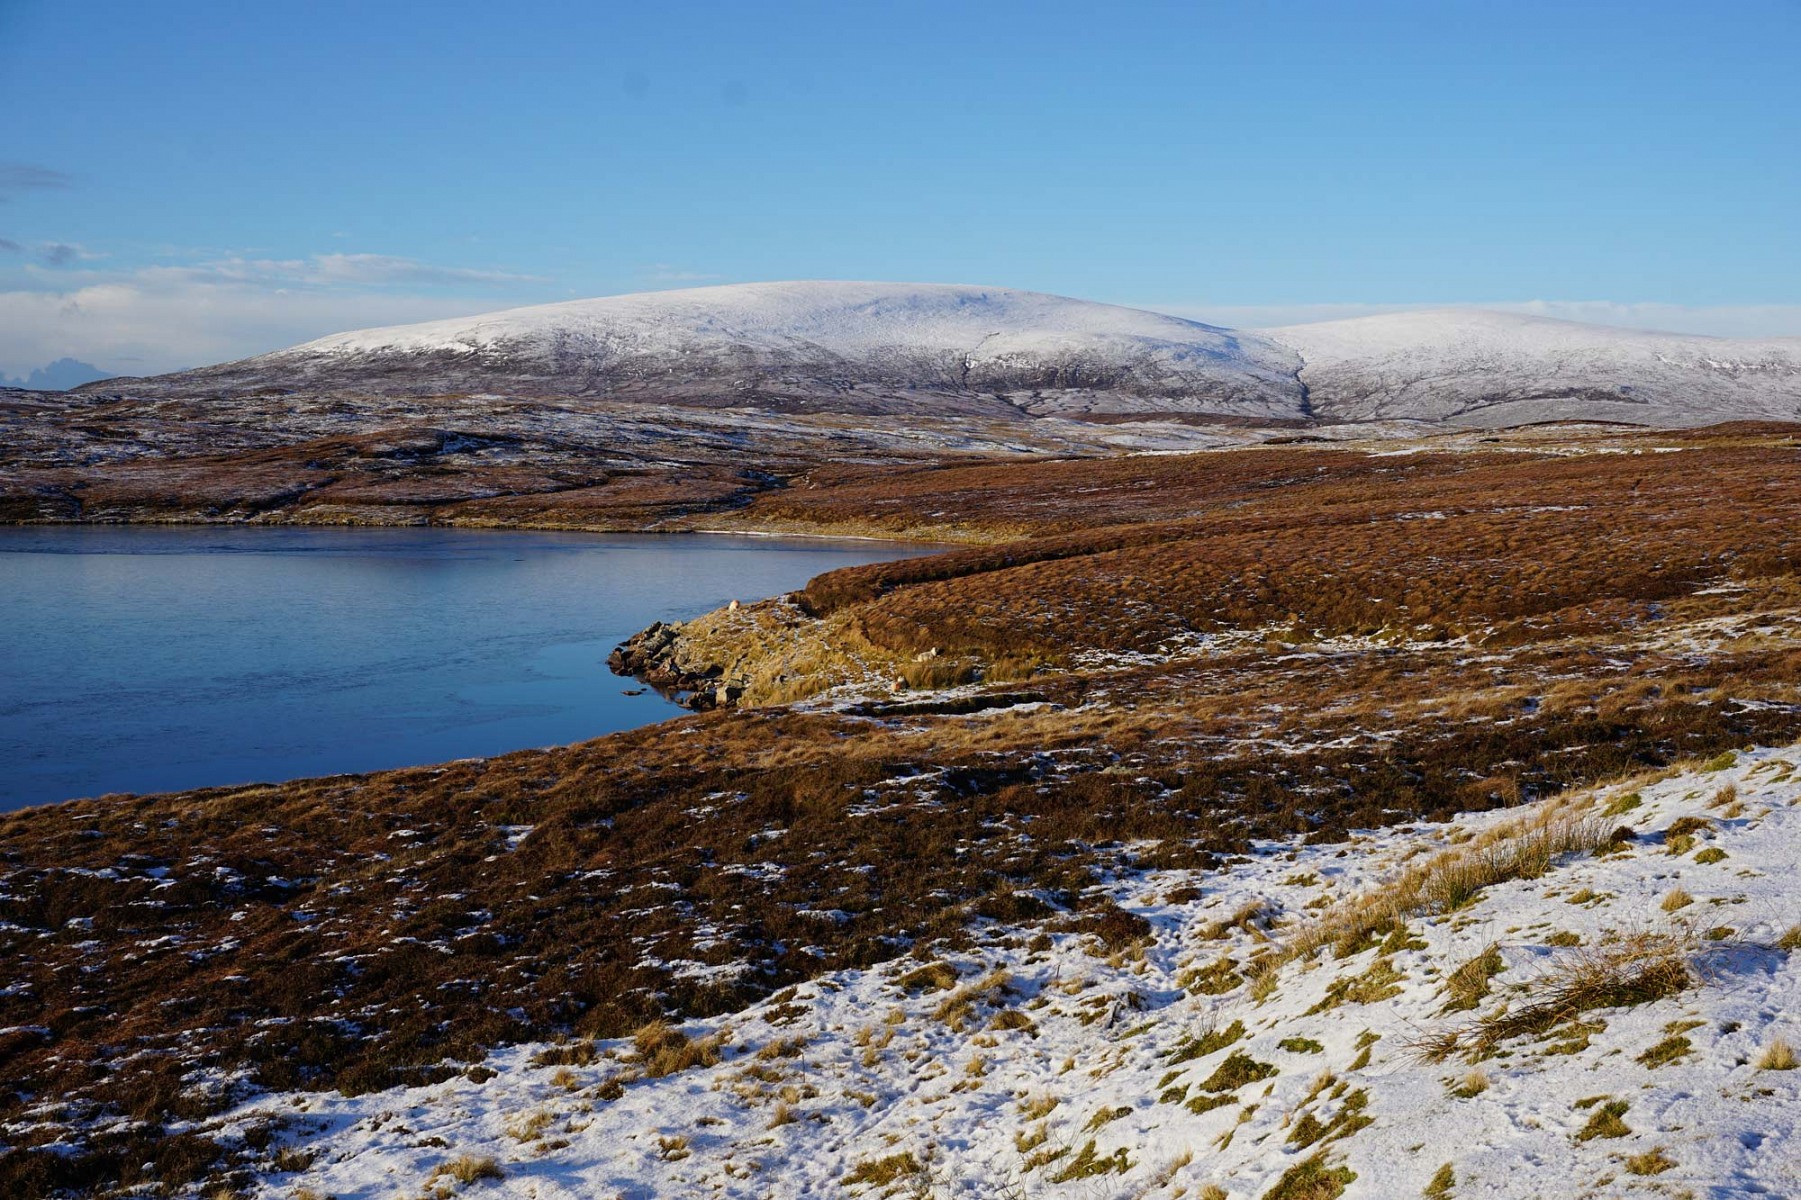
606, 639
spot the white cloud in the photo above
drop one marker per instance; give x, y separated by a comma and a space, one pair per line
143, 327
166, 318
1726, 320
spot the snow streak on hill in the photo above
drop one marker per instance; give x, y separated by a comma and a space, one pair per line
1474, 367
1595, 996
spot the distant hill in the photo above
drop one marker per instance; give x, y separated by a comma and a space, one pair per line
59, 376
1475, 367
958, 350
848, 347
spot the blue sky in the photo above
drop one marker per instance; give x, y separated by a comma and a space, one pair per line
185, 182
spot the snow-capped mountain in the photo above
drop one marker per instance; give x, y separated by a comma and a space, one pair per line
846, 346
957, 350
1477, 367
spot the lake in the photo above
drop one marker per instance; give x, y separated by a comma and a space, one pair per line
151, 658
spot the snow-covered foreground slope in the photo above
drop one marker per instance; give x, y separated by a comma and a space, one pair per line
1475, 367
1043, 1064
852, 344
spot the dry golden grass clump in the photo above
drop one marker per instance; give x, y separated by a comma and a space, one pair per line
1606, 1121
1467, 985
1312, 1179
665, 1050
1452, 880
1636, 969
1652, 1162
1777, 1056
881, 1172
467, 1169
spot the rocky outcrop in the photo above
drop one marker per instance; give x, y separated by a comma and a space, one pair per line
652, 657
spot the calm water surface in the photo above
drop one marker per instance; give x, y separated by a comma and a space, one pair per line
149, 659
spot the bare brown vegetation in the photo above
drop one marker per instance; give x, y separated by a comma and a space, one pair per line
1397, 638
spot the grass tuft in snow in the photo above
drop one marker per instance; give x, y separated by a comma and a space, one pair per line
1467, 986
467, 1169
1453, 880
882, 1172
1605, 1122
1312, 1179
1777, 1056
1652, 1162
666, 1050
1635, 969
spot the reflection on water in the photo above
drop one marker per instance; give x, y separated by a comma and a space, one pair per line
146, 659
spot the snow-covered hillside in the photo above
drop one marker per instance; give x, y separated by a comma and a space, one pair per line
1476, 367
851, 345
906, 349
1593, 996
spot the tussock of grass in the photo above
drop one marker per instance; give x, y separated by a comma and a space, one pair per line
1300, 1045
1380, 982
1440, 1186
1312, 1179
579, 1053
1013, 1018
1605, 1122
1471, 1085
1667, 1051
1622, 805
1636, 969
1777, 1056
1087, 1164
1310, 1130
1105, 1116
1212, 980
467, 1169
1452, 880
291, 1158
1235, 1072
1467, 985
665, 1050
1205, 1043
1652, 1162
1676, 898
1679, 838
881, 1172
933, 977
955, 1009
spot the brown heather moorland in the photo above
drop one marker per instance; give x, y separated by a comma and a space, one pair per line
1179, 654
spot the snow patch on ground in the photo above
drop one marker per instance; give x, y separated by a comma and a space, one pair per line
1038, 1063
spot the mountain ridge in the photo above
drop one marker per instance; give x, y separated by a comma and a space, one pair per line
905, 349
1470, 366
